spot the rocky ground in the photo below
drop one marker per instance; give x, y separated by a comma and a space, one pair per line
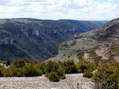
72, 81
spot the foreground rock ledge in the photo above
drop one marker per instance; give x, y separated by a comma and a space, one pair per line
72, 81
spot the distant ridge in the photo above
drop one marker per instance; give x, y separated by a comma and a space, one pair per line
34, 39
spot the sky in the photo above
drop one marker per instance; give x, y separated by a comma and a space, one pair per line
60, 9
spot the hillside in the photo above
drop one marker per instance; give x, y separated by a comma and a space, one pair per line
102, 43
35, 39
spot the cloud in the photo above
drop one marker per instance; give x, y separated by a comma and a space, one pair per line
60, 9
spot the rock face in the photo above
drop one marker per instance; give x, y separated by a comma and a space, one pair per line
38, 39
102, 43
104, 52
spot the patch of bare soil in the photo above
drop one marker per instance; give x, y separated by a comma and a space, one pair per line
72, 81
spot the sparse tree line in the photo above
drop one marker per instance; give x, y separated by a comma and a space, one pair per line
105, 75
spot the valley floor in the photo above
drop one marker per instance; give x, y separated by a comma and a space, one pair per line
72, 81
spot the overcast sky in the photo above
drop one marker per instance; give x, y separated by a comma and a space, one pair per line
60, 9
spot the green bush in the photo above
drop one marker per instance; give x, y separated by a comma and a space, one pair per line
42, 67
70, 67
107, 77
18, 63
53, 76
88, 74
61, 72
1, 69
31, 70
54, 69
21, 70
13, 72
51, 66
82, 67
8, 73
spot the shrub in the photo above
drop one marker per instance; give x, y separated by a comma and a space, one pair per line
31, 70
88, 74
70, 67
53, 76
61, 72
28, 70
50, 66
1, 69
19, 63
8, 73
54, 69
12, 72
107, 77
42, 67
82, 67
